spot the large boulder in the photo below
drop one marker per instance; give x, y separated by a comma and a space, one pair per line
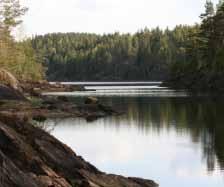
9, 86
8, 79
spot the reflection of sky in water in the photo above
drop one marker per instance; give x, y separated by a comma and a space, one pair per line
120, 145
176, 141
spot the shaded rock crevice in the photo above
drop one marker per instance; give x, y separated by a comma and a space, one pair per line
9, 93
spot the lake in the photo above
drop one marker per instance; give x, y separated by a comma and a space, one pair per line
164, 135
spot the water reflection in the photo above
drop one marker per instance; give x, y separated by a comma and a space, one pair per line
175, 141
201, 118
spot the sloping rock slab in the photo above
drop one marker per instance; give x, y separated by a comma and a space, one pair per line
30, 157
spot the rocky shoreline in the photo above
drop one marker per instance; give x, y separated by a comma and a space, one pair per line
30, 157
32, 104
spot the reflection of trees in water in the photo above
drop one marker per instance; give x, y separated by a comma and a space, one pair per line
203, 118
48, 125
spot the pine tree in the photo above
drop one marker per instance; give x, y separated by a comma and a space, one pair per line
219, 37
220, 3
10, 14
206, 34
18, 58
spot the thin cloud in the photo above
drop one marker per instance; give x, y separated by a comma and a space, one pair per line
87, 5
106, 16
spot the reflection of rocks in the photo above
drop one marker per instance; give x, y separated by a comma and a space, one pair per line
40, 118
30, 157
59, 107
63, 98
96, 110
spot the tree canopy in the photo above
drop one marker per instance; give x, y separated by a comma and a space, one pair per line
145, 55
185, 55
204, 69
17, 57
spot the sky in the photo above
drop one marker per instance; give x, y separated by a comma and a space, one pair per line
108, 16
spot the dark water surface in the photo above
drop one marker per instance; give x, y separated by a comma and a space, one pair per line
176, 141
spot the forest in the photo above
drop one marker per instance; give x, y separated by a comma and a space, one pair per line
203, 68
185, 57
16, 57
146, 55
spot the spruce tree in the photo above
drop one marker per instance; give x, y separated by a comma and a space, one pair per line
206, 33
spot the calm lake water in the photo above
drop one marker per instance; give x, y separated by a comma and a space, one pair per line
167, 136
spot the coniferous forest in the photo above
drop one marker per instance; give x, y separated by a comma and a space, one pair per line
186, 56
146, 55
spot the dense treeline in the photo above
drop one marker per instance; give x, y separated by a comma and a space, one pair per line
186, 55
146, 55
204, 67
17, 57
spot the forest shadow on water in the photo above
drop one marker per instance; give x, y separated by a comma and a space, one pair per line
175, 141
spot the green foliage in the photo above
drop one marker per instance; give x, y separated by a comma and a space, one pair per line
204, 68
191, 56
17, 57
145, 55
187, 54
10, 13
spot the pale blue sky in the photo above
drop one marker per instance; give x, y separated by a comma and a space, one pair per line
106, 16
